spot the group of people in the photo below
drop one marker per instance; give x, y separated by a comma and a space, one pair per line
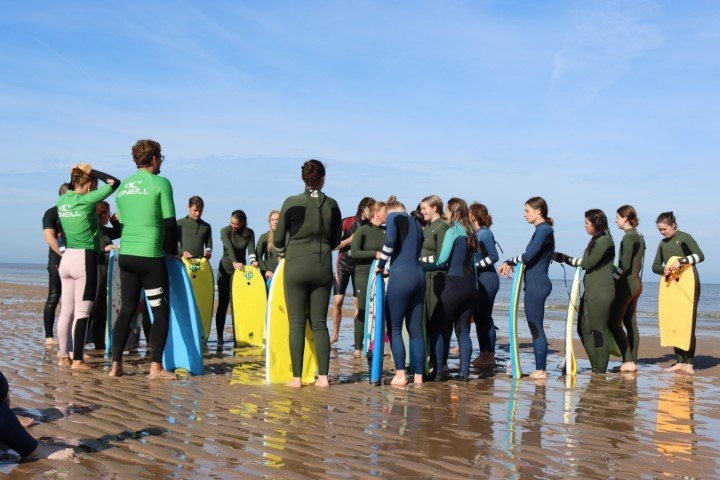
440, 261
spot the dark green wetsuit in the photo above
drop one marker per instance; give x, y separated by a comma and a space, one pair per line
433, 313
267, 259
628, 287
367, 242
195, 236
597, 301
235, 245
684, 246
308, 231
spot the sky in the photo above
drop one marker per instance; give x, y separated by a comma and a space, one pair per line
587, 104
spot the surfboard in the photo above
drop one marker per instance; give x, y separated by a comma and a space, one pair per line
203, 284
369, 319
278, 365
569, 364
113, 307
183, 349
676, 306
516, 370
250, 301
377, 292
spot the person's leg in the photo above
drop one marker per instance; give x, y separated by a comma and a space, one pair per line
595, 334
53, 299
66, 310
319, 299
224, 283
155, 283
617, 314
414, 318
85, 290
130, 290
13, 434
534, 302
296, 299
98, 314
631, 327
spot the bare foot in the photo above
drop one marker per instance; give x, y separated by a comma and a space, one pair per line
689, 369
296, 382
455, 351
161, 374
357, 353
399, 380
538, 375
64, 362
50, 342
116, 370
322, 381
418, 379
26, 422
80, 365
676, 367
628, 367
50, 452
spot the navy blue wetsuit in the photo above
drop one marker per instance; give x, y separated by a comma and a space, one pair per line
536, 258
488, 283
458, 297
406, 286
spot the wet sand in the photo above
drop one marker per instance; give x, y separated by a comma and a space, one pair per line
228, 424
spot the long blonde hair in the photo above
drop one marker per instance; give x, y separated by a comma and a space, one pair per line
434, 201
271, 244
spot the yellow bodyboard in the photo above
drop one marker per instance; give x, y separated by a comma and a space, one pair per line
249, 299
278, 365
203, 284
676, 306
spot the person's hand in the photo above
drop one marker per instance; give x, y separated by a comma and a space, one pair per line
377, 270
377, 255
187, 255
207, 254
113, 217
238, 265
254, 264
560, 257
110, 248
670, 269
505, 270
268, 275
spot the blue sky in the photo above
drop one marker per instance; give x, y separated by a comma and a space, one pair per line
588, 104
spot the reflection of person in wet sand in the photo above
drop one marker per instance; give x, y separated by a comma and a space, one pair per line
14, 435
675, 428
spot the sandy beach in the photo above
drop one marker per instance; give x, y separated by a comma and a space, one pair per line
229, 424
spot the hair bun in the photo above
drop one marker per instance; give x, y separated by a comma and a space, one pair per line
392, 198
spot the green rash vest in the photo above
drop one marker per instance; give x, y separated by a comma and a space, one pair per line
143, 201
235, 245
195, 236
79, 219
267, 260
679, 245
630, 260
309, 228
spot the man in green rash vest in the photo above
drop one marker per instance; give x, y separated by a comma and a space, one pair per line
434, 323
194, 233
310, 227
678, 244
367, 242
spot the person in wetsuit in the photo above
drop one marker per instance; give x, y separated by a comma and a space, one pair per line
366, 245
459, 296
435, 323
345, 265
194, 233
53, 235
678, 244
536, 258
146, 210
237, 240
266, 255
628, 287
488, 283
78, 269
599, 289
405, 288
309, 229
98, 313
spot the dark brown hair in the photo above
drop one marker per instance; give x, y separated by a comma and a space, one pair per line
366, 202
539, 203
78, 178
313, 173
480, 213
102, 208
667, 218
598, 219
143, 152
240, 216
196, 201
459, 214
628, 212
393, 202
64, 187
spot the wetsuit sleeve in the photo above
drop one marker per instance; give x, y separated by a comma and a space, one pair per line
167, 204
170, 236
336, 228
105, 177
227, 245
180, 224
252, 255
115, 231
281, 230
657, 265
448, 242
262, 252
692, 251
533, 249
391, 236
208, 240
488, 242
357, 249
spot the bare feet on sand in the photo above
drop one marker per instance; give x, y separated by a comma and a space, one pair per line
50, 452
296, 382
357, 353
116, 370
400, 379
26, 422
50, 342
322, 381
80, 365
676, 368
538, 375
65, 362
418, 379
628, 367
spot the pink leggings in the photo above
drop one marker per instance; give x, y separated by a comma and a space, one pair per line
78, 274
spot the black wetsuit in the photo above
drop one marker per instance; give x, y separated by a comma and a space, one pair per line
345, 265
51, 221
628, 287
98, 313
